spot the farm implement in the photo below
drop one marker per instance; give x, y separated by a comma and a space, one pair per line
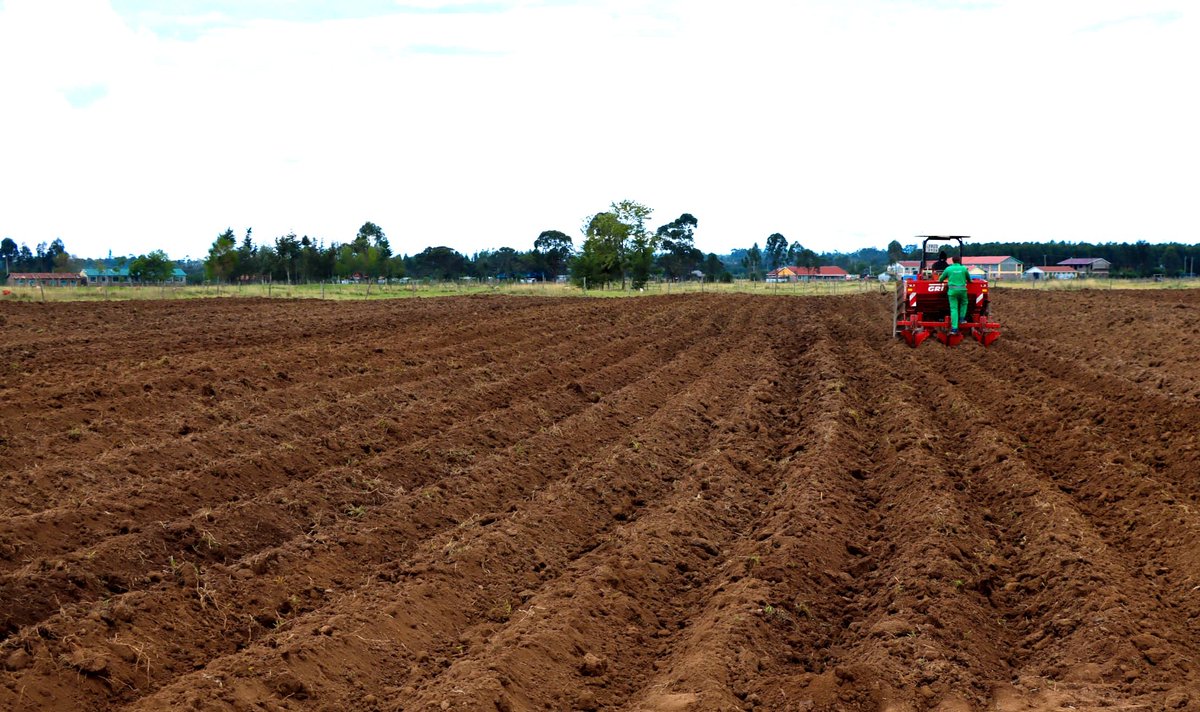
922, 306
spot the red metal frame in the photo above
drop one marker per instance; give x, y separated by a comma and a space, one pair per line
923, 309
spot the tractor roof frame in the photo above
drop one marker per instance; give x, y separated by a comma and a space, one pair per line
925, 241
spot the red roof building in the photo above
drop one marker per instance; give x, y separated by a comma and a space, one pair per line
989, 266
45, 279
804, 274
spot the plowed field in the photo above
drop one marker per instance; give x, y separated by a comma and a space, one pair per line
687, 503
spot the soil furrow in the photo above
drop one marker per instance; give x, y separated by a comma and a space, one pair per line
420, 505
917, 625
1069, 592
244, 396
630, 598
692, 503
774, 605
475, 573
208, 535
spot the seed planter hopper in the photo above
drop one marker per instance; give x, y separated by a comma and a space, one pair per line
922, 306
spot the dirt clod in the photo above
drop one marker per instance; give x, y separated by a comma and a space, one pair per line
17, 660
593, 665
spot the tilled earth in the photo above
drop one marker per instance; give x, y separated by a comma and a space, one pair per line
688, 503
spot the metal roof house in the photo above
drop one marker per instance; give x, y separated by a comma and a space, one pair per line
996, 266
804, 274
989, 268
44, 279
120, 276
1090, 266
1051, 272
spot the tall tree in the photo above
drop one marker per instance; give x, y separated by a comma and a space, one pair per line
552, 249
680, 256
222, 260
438, 263
248, 263
753, 262
65, 264
51, 256
370, 234
316, 262
640, 244
9, 254
602, 258
287, 250
895, 251
794, 253
714, 269
369, 254
507, 263
809, 259
349, 261
776, 251
1171, 261
154, 267
379, 241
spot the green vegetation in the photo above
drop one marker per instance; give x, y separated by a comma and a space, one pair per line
411, 289
397, 290
618, 247
619, 252
153, 268
43, 258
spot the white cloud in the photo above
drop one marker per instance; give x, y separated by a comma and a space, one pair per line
838, 124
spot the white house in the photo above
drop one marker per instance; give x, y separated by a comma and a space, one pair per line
1051, 272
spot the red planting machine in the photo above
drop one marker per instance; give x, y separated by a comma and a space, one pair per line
923, 308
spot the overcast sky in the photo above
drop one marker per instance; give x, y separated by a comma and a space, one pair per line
131, 125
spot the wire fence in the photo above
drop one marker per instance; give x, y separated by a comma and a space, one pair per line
424, 288
432, 288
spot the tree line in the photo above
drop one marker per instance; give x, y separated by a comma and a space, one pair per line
154, 266
618, 247
369, 256
1136, 259
44, 258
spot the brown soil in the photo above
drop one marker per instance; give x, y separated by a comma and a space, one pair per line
688, 503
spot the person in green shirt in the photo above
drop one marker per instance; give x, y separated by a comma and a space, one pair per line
956, 277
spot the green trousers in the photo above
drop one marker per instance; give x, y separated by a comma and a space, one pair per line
958, 305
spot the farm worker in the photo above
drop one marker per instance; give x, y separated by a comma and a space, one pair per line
941, 261
956, 277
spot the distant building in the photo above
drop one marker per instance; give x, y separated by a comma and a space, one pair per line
985, 267
1088, 266
996, 267
44, 279
106, 276
783, 274
1051, 272
805, 274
